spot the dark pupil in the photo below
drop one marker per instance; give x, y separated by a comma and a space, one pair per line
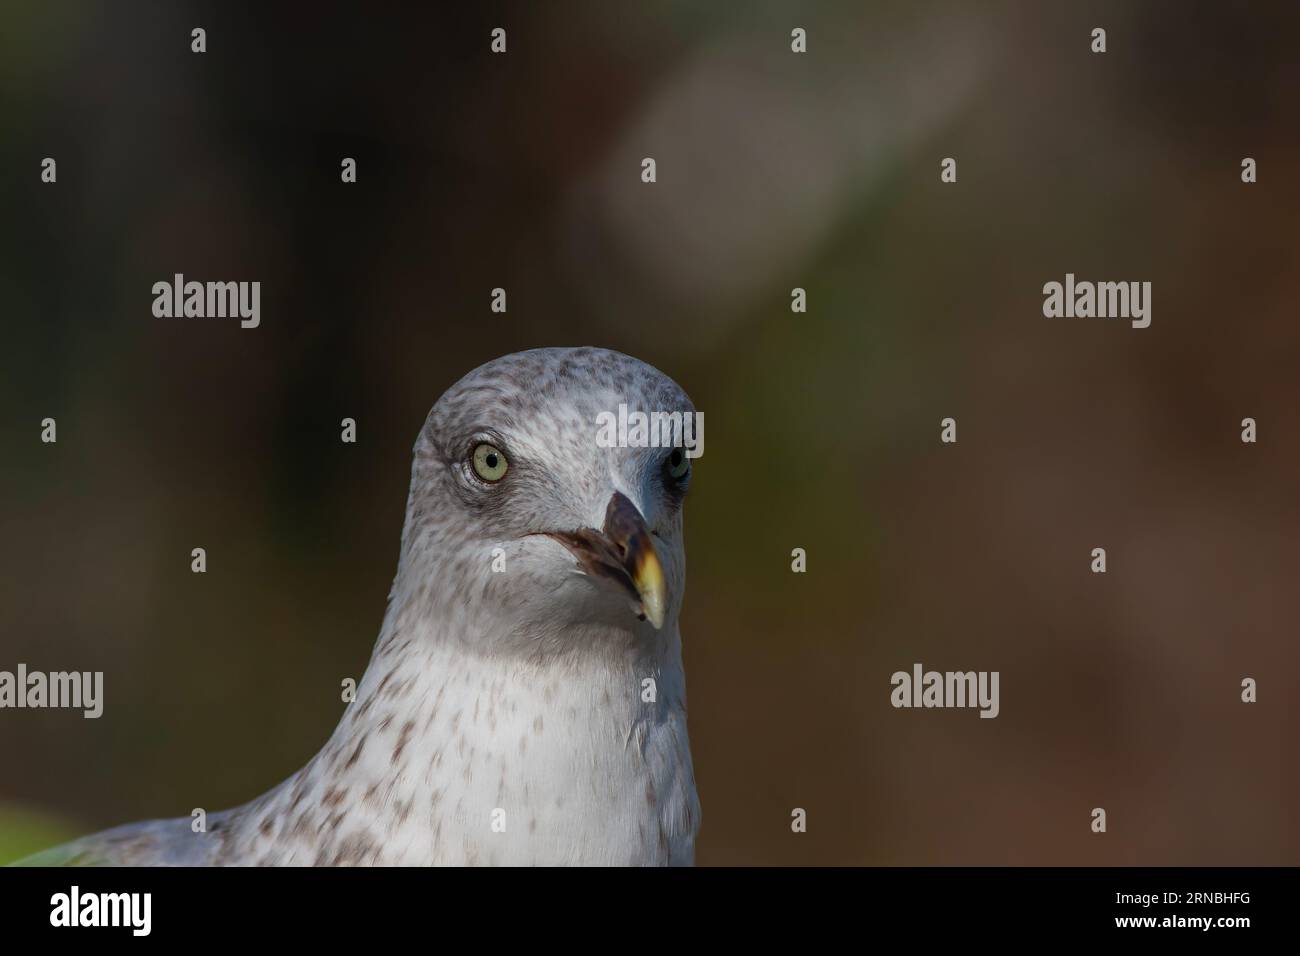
491, 461
676, 459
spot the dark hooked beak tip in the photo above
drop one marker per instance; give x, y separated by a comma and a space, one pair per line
623, 551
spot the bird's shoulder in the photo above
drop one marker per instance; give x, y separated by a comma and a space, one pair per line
170, 842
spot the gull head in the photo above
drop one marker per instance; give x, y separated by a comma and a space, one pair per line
525, 529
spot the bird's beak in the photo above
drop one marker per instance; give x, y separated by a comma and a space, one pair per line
624, 552
625, 527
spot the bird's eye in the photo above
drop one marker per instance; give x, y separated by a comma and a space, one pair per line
678, 464
489, 463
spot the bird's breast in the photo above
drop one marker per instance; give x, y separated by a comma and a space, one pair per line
504, 766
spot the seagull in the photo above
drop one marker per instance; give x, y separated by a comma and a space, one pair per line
525, 702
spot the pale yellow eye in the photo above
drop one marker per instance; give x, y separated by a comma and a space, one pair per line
489, 463
678, 464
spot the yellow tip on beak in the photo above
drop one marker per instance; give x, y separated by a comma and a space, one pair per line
648, 577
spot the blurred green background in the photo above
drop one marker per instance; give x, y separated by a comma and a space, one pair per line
775, 170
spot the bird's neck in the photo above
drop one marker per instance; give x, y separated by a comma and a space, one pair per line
449, 755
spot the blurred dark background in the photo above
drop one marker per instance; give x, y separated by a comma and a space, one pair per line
775, 170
